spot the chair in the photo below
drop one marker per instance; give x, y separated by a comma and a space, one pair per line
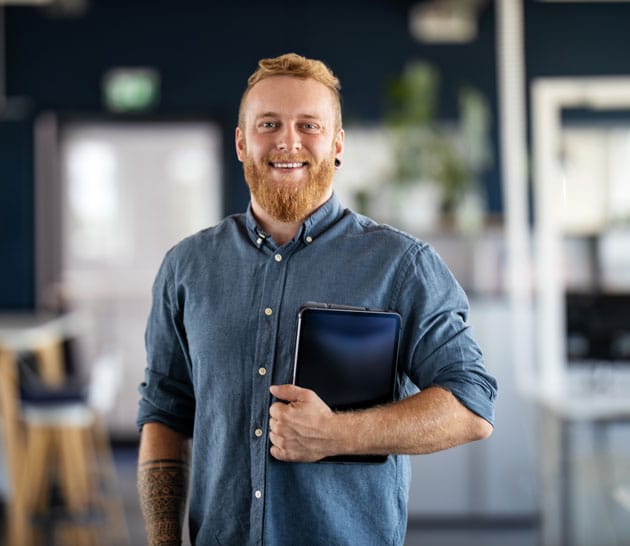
59, 458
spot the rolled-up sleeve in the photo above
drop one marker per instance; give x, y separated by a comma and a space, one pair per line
441, 350
167, 394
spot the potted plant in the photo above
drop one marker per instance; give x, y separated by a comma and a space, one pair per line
427, 151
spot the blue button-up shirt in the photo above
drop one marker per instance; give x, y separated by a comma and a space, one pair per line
222, 329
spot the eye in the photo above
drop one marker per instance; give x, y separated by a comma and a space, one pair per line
310, 127
267, 125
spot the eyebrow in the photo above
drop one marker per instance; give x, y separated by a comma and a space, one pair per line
276, 115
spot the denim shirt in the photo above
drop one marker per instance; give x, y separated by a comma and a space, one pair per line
222, 329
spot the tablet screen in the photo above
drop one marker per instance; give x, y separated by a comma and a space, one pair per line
347, 357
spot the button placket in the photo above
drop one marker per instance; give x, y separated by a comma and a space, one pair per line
272, 288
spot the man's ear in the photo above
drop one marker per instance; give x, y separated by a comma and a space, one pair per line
239, 141
339, 139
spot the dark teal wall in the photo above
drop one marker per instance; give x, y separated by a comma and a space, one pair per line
16, 215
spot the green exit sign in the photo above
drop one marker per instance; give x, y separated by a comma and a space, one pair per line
131, 89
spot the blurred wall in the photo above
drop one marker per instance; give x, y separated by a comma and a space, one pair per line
205, 51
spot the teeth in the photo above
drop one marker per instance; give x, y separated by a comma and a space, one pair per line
287, 165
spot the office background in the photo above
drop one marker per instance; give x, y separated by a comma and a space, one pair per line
55, 58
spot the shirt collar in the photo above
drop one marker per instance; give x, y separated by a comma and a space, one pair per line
318, 222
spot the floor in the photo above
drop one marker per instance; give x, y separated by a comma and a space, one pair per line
472, 537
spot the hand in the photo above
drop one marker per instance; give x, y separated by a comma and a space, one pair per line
300, 429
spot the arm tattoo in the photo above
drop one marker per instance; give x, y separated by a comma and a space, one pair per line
162, 487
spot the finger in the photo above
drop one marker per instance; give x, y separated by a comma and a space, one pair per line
277, 453
275, 426
276, 440
278, 411
289, 393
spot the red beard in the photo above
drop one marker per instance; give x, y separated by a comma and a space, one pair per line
289, 201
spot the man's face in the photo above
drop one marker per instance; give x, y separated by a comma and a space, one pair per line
288, 143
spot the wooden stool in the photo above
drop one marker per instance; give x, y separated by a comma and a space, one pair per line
61, 444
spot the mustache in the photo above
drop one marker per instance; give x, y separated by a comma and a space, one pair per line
289, 158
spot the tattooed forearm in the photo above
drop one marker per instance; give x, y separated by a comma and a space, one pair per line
162, 487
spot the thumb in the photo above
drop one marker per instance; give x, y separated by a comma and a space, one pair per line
288, 392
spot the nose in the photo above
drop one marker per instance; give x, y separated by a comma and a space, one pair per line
289, 139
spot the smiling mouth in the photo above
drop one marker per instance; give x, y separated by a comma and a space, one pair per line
287, 165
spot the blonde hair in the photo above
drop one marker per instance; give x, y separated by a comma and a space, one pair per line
296, 66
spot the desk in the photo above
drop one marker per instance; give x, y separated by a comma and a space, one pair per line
21, 332
560, 411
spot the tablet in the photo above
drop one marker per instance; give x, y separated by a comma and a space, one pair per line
348, 356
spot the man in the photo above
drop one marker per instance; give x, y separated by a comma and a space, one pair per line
222, 330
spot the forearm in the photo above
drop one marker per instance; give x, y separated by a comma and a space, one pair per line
429, 421
163, 483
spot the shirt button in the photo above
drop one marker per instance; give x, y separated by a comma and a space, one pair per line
262, 371
278, 258
268, 311
309, 239
258, 493
258, 432
259, 241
